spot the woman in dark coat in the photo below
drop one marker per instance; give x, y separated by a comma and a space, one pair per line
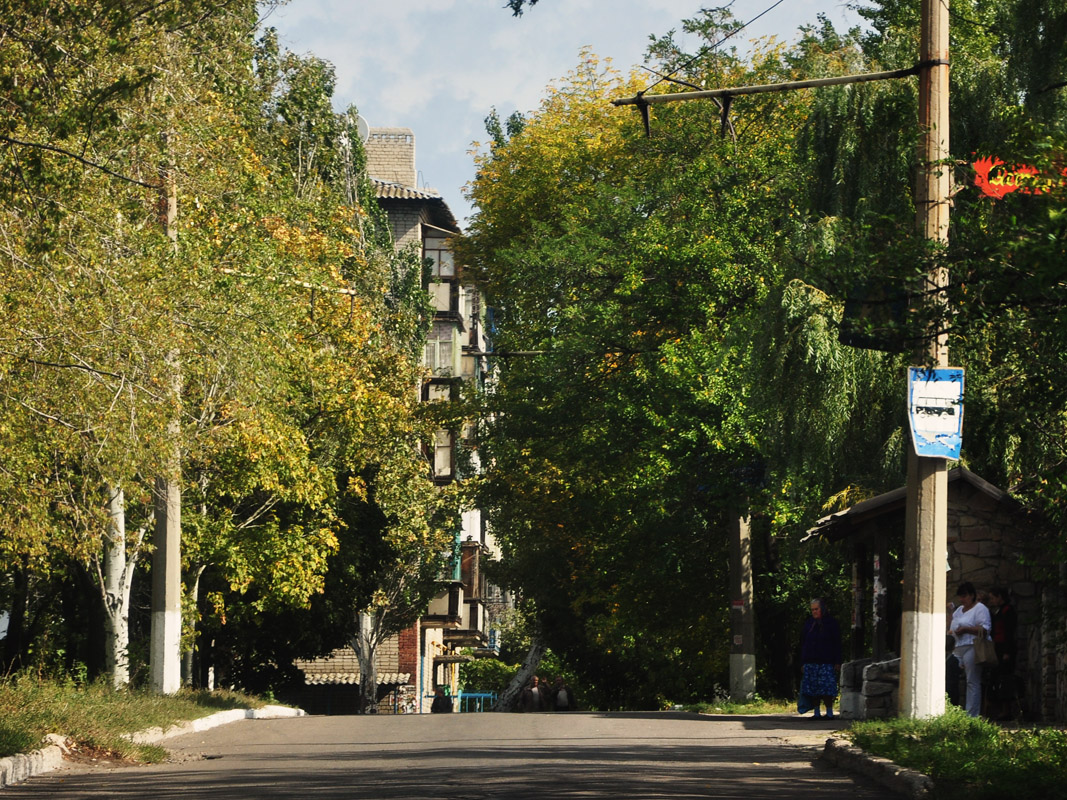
820, 655
1006, 643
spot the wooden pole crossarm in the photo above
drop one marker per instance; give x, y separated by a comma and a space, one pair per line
644, 100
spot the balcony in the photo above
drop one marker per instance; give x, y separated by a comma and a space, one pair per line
473, 630
446, 609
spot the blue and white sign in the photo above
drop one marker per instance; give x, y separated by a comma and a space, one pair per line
935, 411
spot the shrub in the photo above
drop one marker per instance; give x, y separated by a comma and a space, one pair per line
969, 758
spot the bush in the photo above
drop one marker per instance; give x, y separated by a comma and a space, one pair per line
486, 675
969, 758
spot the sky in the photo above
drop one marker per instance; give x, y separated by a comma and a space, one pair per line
440, 66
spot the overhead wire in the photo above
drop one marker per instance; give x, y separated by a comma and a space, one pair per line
708, 48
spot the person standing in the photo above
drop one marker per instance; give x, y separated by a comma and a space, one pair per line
820, 655
442, 703
969, 620
1006, 643
534, 696
562, 696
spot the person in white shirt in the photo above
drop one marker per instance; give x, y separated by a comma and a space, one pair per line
969, 620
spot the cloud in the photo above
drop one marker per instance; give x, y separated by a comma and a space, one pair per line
439, 66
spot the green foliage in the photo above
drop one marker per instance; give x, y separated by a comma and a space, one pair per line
96, 717
969, 757
683, 356
757, 705
298, 328
486, 675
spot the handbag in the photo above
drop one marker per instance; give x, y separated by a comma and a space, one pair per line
984, 650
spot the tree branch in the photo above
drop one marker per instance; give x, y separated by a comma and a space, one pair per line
76, 157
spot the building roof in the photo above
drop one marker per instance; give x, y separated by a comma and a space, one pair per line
840, 524
342, 667
396, 191
440, 212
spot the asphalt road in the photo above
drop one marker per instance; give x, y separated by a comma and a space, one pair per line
479, 756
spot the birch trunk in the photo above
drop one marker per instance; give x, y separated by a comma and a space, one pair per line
188, 655
510, 697
366, 647
116, 583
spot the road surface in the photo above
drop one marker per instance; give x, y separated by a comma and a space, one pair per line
628, 756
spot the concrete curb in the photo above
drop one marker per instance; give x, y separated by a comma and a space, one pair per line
905, 782
17, 768
156, 735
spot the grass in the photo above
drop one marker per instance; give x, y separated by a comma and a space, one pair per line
756, 705
969, 758
96, 716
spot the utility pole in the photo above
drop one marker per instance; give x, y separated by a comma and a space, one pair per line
164, 667
922, 663
742, 616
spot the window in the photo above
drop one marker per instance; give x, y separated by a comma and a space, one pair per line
436, 391
442, 264
443, 455
440, 352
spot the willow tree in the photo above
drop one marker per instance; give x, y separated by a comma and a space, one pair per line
639, 267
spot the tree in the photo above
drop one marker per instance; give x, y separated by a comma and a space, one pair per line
517, 6
297, 325
620, 457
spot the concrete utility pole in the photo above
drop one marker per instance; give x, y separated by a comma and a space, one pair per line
922, 663
742, 617
164, 668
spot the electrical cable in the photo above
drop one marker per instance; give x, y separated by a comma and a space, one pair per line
708, 48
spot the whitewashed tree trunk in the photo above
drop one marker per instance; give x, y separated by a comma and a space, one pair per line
366, 646
511, 696
115, 576
165, 646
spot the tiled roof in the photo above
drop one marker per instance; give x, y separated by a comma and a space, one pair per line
438, 209
342, 667
396, 191
352, 678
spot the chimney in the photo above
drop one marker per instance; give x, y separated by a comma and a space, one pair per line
391, 155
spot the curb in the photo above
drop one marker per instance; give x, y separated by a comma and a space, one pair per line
905, 782
156, 735
17, 768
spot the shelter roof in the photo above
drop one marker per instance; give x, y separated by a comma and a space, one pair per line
842, 524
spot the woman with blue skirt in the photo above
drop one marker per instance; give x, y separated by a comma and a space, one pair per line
820, 655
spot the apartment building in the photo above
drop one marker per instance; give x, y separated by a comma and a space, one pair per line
460, 619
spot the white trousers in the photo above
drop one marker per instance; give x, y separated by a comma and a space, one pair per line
973, 673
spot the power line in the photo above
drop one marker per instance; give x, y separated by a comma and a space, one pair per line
708, 48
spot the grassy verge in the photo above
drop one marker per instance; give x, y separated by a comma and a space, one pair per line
971, 759
96, 716
757, 705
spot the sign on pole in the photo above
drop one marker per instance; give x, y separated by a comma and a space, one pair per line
935, 411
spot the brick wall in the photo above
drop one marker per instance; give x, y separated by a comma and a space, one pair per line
408, 651
391, 155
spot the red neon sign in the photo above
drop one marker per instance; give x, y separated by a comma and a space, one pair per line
1023, 178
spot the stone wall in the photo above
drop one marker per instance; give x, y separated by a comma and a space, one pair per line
989, 545
870, 689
